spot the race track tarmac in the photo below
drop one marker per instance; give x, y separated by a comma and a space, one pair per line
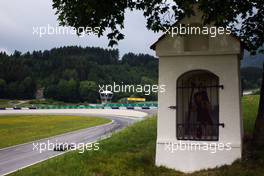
24, 155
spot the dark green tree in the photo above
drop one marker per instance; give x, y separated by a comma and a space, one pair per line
2, 88
88, 91
47, 68
12, 90
17, 54
70, 74
29, 88
51, 92
68, 90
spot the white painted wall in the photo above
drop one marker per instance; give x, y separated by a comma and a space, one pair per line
226, 67
222, 57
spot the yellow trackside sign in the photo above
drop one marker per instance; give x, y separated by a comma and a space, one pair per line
136, 99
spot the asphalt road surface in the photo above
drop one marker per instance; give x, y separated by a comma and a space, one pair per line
24, 155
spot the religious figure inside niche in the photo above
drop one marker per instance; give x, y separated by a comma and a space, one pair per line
203, 109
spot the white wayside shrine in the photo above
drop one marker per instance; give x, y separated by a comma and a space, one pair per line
199, 115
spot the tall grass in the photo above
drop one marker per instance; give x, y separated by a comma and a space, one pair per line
250, 109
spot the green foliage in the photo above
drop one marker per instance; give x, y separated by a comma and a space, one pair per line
110, 15
2, 86
88, 91
53, 70
72, 74
67, 90
17, 54
24, 89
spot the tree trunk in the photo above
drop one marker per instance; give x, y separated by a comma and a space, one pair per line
258, 136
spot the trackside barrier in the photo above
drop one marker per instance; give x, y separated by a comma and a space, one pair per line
106, 106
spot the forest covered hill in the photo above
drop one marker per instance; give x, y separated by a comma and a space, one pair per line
73, 73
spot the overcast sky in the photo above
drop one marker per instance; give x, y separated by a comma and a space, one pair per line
19, 17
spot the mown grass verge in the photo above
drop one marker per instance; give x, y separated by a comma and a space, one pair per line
25, 128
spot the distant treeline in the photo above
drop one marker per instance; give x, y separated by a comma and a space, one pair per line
251, 77
72, 74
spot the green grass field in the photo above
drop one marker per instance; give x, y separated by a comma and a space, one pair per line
20, 129
250, 109
132, 153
